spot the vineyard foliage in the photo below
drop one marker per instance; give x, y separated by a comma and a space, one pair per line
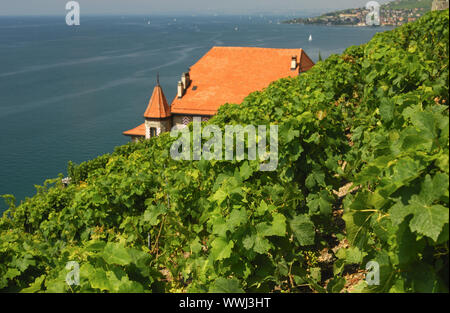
363, 175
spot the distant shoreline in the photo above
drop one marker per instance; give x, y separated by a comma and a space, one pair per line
393, 14
337, 25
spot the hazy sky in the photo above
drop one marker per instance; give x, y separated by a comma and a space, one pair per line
56, 7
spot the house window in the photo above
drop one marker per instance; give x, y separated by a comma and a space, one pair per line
205, 119
153, 132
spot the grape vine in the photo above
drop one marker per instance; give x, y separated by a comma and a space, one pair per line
362, 176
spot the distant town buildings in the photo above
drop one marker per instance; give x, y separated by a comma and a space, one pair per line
392, 14
357, 17
400, 16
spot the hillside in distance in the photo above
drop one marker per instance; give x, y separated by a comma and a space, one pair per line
362, 178
395, 13
409, 4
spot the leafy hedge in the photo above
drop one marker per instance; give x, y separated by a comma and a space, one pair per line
362, 176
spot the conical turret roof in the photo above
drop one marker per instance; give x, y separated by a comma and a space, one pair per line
157, 106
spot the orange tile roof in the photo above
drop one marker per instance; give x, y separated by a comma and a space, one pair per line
138, 131
229, 74
157, 106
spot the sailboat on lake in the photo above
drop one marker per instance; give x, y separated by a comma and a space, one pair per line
310, 37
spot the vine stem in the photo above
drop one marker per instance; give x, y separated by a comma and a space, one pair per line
155, 247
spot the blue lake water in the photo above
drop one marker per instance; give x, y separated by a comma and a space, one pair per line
67, 93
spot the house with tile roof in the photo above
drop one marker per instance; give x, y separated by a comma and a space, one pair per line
223, 75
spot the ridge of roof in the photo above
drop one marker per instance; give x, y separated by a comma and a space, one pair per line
228, 74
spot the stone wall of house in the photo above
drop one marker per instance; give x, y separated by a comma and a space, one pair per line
439, 5
160, 125
180, 120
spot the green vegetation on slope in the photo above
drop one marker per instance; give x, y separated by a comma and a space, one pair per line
376, 116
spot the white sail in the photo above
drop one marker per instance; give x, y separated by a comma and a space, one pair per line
310, 38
